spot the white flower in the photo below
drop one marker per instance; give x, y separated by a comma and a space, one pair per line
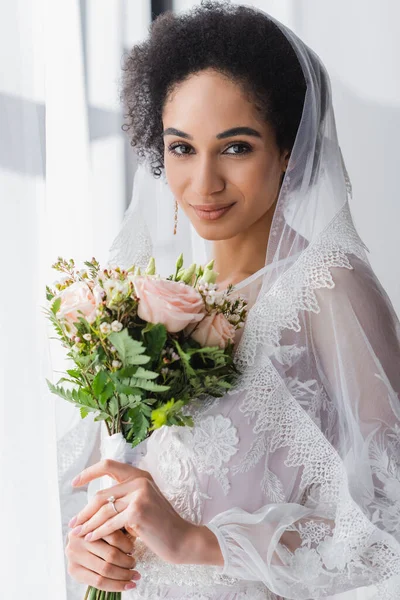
215, 440
98, 293
392, 489
116, 364
306, 565
209, 299
87, 337
116, 326
334, 554
164, 371
113, 349
391, 518
105, 328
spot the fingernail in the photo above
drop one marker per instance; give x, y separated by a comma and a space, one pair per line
130, 586
75, 480
88, 537
72, 522
137, 575
77, 529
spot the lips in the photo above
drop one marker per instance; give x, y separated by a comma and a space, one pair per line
209, 212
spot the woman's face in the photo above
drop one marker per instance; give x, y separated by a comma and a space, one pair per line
207, 167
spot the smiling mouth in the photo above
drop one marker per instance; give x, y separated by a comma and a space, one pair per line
215, 212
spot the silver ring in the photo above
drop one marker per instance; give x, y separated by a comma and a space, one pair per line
111, 499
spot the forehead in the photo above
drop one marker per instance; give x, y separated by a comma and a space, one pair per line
209, 101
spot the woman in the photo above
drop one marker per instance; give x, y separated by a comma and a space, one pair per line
289, 485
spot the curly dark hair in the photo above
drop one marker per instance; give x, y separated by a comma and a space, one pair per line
239, 42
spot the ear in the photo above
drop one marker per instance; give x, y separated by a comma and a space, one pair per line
286, 158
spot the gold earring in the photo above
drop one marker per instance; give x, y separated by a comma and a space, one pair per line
176, 217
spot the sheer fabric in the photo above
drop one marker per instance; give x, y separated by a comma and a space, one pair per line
297, 469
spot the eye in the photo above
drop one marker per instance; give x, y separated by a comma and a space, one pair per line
246, 149
171, 149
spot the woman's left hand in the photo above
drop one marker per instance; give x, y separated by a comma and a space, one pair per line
145, 513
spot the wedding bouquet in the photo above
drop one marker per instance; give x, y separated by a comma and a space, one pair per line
142, 346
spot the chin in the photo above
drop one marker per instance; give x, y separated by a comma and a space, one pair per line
216, 232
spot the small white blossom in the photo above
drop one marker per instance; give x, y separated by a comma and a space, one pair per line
113, 349
87, 337
116, 364
116, 326
241, 324
175, 356
164, 370
105, 328
209, 299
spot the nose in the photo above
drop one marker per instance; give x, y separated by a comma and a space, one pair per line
206, 178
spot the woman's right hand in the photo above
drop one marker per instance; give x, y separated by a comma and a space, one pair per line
104, 564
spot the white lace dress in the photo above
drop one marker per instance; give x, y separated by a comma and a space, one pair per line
263, 465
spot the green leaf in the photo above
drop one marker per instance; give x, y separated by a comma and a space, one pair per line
99, 383
106, 394
86, 398
75, 373
102, 417
124, 372
139, 424
150, 386
145, 374
128, 349
124, 388
56, 306
84, 412
113, 406
155, 336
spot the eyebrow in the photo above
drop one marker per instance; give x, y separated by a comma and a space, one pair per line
219, 136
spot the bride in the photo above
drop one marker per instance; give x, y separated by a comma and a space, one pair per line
289, 485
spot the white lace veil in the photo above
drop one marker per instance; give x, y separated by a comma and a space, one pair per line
320, 356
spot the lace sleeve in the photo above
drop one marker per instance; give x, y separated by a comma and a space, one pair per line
330, 442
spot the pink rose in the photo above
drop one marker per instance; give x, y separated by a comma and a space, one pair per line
171, 303
214, 330
77, 296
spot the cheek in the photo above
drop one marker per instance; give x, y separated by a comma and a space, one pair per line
259, 189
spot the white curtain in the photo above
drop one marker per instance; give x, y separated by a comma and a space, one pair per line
66, 173
65, 179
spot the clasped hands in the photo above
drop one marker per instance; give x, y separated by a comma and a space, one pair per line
144, 512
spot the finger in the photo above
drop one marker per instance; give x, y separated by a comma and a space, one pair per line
108, 527
106, 568
100, 499
120, 540
97, 581
115, 469
103, 514
110, 554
